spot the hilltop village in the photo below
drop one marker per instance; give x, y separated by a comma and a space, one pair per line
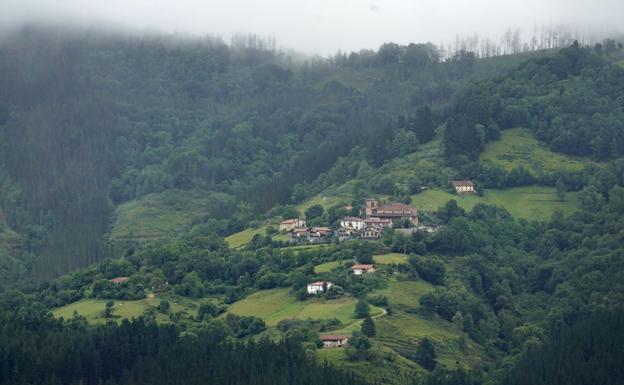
370, 224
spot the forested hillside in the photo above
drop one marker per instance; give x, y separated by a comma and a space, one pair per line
144, 179
90, 120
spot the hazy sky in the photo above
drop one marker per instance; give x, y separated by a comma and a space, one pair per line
324, 26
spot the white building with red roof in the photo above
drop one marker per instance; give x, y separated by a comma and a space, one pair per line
318, 287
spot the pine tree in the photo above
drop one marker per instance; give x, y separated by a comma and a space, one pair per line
368, 327
426, 354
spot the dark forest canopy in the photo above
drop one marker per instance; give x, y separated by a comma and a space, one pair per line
38, 350
573, 101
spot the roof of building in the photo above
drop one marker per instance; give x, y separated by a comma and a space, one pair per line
319, 283
463, 183
377, 220
290, 221
395, 207
352, 219
120, 279
321, 229
333, 338
362, 266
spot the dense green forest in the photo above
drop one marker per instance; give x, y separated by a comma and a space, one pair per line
92, 121
75, 353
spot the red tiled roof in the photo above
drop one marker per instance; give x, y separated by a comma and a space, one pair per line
363, 267
333, 338
120, 280
395, 207
318, 283
461, 183
352, 219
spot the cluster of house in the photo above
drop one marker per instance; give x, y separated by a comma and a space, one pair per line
377, 219
299, 232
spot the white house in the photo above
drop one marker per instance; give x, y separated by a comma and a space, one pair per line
353, 223
360, 269
291, 224
334, 341
319, 286
464, 186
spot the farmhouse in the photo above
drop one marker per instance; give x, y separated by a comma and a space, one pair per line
464, 186
334, 341
393, 212
318, 286
353, 223
119, 280
291, 224
360, 269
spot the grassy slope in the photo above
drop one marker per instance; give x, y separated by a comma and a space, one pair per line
390, 258
158, 215
277, 304
243, 237
328, 266
92, 308
399, 334
532, 203
518, 146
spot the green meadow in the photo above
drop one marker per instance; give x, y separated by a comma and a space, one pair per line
92, 309
244, 237
275, 305
531, 202
390, 259
518, 146
161, 214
